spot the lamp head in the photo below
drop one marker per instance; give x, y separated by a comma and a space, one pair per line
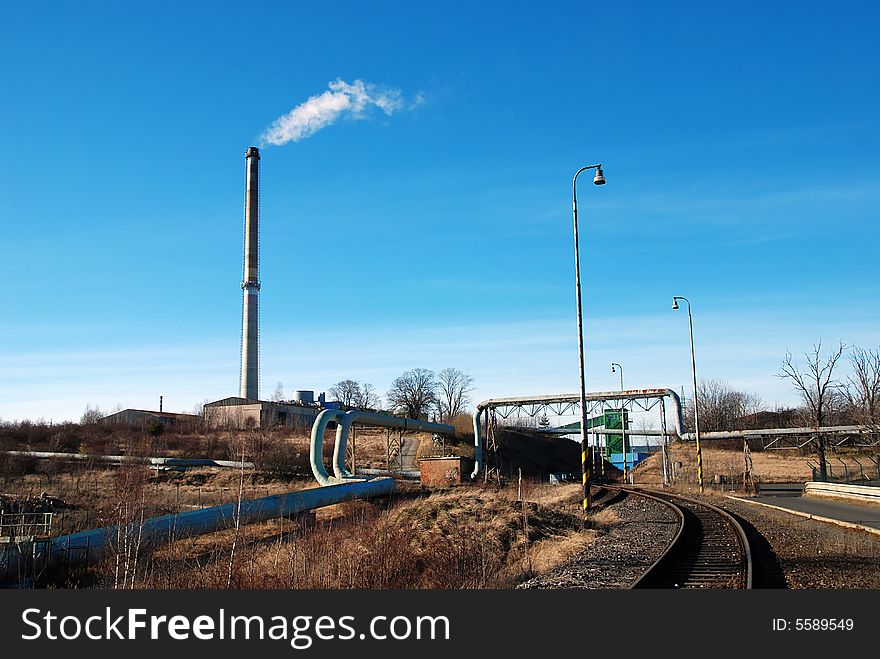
599, 179
675, 304
613, 370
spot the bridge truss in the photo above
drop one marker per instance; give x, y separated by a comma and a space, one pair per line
489, 411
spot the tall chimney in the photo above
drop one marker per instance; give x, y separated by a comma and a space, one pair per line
250, 355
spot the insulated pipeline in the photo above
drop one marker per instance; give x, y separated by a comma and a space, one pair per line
345, 421
98, 543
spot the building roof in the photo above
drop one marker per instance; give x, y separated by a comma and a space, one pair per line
237, 400
164, 415
233, 400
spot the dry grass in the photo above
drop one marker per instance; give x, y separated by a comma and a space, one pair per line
459, 538
468, 537
549, 554
89, 490
767, 466
605, 518
554, 496
90, 494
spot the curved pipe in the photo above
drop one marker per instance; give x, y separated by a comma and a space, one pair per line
339, 449
478, 444
316, 446
345, 421
676, 411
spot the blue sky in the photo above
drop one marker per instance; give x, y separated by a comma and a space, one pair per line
739, 141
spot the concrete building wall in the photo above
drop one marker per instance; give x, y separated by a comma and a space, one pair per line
240, 413
232, 416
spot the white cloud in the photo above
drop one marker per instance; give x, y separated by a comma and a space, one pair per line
341, 99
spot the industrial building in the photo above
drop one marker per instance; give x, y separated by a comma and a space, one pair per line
238, 413
144, 418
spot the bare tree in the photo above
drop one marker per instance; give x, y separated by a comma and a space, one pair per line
367, 398
346, 392
453, 392
91, 415
230, 572
278, 394
128, 517
818, 390
863, 390
721, 406
413, 393
199, 408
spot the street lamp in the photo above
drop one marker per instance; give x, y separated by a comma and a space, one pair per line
622, 421
599, 179
675, 300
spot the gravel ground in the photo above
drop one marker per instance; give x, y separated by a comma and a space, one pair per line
788, 551
795, 552
634, 531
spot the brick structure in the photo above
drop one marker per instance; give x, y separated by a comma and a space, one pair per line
445, 472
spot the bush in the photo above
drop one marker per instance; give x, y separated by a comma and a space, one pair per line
281, 458
19, 466
155, 428
91, 416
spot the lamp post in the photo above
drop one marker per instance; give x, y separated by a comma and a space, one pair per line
622, 421
675, 300
599, 179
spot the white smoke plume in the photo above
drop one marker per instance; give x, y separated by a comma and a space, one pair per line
341, 99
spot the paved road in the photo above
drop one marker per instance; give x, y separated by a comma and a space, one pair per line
790, 497
409, 452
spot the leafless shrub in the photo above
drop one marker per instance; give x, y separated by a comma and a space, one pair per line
282, 458
91, 415
127, 518
863, 390
721, 407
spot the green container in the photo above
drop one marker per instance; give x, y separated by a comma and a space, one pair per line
614, 443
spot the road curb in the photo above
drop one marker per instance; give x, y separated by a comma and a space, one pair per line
818, 518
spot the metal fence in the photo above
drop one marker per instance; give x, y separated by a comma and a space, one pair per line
841, 471
25, 525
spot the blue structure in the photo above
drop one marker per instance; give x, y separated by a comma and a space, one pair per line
632, 459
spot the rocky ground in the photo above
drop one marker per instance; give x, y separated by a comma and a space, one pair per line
796, 552
632, 533
788, 551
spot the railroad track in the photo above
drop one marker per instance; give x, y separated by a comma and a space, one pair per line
710, 549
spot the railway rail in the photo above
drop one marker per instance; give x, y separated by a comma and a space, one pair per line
710, 550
